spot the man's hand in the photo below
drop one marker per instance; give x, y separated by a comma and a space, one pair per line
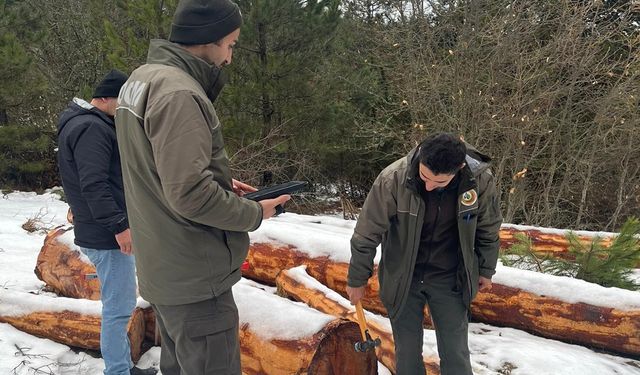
484, 284
124, 241
269, 205
240, 188
355, 294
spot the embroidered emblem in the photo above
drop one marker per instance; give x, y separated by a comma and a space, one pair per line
469, 198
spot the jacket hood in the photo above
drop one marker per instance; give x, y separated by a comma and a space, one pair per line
78, 107
209, 76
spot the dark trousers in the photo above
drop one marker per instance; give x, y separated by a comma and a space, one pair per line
450, 318
200, 338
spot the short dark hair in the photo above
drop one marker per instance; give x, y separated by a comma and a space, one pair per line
443, 153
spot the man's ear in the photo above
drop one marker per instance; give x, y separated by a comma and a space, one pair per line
464, 164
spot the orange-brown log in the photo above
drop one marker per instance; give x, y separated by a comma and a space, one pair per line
290, 286
548, 242
330, 351
72, 328
150, 326
605, 328
580, 323
266, 260
63, 270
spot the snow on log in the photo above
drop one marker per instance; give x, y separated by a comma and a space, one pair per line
299, 285
64, 268
72, 322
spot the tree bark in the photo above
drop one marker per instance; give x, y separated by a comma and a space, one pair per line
546, 242
71, 327
63, 270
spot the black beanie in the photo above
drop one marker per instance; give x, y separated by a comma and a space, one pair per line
110, 85
204, 21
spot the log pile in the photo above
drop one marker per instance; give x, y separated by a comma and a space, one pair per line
606, 328
328, 350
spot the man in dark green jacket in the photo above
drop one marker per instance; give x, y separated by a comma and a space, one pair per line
188, 220
437, 215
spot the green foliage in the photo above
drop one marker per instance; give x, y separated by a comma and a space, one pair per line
20, 79
27, 157
607, 266
127, 34
276, 97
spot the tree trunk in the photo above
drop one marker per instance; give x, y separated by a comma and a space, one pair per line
301, 287
73, 326
4, 117
548, 242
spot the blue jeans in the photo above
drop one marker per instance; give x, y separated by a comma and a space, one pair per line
116, 272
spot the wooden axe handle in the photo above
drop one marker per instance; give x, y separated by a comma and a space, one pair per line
361, 321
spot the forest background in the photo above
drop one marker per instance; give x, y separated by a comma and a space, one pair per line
332, 91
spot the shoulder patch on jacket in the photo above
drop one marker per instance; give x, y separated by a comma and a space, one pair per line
469, 198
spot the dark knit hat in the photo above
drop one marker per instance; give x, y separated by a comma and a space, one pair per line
110, 85
204, 21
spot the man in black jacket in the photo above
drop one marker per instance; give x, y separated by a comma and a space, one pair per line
89, 165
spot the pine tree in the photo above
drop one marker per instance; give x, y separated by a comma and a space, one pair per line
276, 104
20, 79
129, 30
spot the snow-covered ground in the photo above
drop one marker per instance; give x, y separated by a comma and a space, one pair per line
494, 350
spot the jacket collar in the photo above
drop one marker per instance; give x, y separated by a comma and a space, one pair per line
209, 76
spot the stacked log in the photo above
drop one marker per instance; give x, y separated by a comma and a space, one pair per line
550, 242
65, 320
327, 350
607, 328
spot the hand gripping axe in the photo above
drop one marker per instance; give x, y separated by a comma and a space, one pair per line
367, 342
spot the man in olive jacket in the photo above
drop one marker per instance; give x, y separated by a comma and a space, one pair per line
437, 215
188, 221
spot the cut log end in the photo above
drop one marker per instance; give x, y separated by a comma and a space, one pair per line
337, 355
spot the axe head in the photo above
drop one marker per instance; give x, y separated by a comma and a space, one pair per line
368, 344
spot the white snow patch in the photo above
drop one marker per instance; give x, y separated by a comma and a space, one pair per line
272, 317
567, 289
19, 303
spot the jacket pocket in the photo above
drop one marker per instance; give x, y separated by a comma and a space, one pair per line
216, 335
238, 246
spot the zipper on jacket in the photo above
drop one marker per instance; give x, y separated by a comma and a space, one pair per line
433, 227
